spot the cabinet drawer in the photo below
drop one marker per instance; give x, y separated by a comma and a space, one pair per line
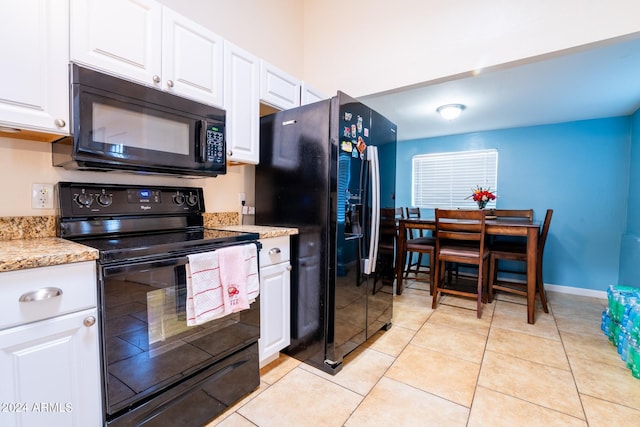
274, 250
52, 291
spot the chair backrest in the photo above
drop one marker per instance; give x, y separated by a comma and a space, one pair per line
389, 225
514, 213
543, 233
461, 225
413, 213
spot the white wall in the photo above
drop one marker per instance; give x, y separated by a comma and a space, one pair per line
358, 46
368, 46
23, 163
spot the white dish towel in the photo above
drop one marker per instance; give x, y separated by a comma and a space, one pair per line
221, 282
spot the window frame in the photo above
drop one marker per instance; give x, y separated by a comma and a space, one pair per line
457, 173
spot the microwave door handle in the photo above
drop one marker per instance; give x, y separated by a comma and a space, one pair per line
201, 131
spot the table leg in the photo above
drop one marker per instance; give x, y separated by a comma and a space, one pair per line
532, 257
400, 258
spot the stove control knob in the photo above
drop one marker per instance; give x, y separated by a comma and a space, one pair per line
192, 200
178, 199
84, 199
105, 199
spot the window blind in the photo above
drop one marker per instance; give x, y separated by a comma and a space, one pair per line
445, 180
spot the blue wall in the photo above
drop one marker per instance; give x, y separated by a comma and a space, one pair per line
630, 248
578, 169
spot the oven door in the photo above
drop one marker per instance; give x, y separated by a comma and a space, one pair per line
148, 349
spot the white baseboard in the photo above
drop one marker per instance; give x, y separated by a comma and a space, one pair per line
576, 291
564, 289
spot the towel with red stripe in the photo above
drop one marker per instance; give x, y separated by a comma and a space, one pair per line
221, 282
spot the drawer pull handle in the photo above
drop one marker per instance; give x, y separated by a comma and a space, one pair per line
274, 251
89, 321
41, 294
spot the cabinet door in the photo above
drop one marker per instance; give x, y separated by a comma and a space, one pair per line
34, 63
123, 37
275, 315
242, 103
278, 88
309, 94
191, 59
51, 372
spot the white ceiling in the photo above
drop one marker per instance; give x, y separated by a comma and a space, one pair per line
579, 84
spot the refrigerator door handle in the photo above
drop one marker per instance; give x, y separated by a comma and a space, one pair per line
370, 262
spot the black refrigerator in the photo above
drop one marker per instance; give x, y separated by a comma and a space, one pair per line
327, 168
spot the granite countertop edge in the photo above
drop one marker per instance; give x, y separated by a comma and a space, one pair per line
264, 231
20, 254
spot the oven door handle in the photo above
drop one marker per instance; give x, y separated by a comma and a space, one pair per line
141, 267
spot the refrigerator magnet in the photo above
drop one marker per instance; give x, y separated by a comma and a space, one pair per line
354, 153
359, 124
347, 132
361, 145
347, 116
346, 146
366, 132
353, 130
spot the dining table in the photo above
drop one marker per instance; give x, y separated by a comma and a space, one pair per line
498, 227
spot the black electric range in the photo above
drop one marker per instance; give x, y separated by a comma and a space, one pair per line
157, 370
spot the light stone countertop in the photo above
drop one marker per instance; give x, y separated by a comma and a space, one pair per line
264, 231
19, 254
29, 242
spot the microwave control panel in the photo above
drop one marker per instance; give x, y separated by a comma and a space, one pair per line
215, 145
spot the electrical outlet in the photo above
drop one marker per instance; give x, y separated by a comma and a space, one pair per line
242, 197
42, 196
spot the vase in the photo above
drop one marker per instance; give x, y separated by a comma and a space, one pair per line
482, 204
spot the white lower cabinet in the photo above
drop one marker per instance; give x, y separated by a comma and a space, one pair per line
275, 280
49, 359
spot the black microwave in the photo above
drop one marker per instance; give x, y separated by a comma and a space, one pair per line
124, 126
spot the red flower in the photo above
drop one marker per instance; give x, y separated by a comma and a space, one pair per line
482, 195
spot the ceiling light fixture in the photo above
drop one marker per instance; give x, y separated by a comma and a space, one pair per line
450, 111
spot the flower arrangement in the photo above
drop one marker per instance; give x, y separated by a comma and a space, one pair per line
482, 196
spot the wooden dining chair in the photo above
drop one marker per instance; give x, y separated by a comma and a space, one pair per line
507, 251
417, 237
460, 238
420, 245
388, 234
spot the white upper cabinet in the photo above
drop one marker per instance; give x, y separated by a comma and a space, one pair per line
143, 41
242, 104
123, 37
192, 59
309, 94
278, 88
34, 64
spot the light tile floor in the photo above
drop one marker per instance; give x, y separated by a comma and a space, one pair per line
445, 367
